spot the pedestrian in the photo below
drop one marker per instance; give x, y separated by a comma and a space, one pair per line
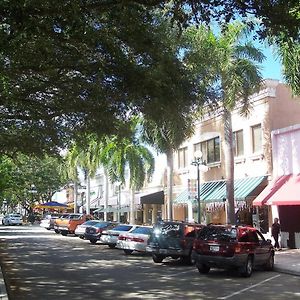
275, 233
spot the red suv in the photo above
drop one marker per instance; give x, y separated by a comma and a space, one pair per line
226, 246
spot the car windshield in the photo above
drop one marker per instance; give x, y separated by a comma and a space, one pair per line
74, 217
15, 215
217, 233
142, 230
122, 228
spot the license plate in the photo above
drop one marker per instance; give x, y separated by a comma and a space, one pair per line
214, 248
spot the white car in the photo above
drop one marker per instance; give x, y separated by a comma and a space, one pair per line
135, 240
12, 219
80, 229
110, 237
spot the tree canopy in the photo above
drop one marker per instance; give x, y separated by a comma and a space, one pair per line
74, 67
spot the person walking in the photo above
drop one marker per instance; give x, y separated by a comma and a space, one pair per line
275, 233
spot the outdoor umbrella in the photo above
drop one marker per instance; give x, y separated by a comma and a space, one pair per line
52, 204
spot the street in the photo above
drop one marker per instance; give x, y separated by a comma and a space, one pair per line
39, 264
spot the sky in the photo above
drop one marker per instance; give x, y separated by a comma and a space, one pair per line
271, 67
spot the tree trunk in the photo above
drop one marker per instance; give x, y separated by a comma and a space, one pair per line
106, 182
75, 196
132, 218
229, 165
88, 194
170, 167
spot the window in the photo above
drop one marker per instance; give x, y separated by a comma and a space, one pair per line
182, 158
238, 143
256, 138
211, 150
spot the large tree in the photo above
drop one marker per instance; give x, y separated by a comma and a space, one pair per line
28, 180
76, 66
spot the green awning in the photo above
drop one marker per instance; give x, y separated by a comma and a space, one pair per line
215, 191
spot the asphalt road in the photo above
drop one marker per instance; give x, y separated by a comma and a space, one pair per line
39, 264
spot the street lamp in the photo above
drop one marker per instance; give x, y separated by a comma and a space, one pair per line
200, 164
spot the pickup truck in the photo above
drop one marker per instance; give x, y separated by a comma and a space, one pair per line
68, 225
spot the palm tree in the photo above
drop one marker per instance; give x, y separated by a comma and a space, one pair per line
289, 52
229, 63
167, 137
129, 152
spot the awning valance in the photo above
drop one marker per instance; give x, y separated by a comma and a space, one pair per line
215, 191
288, 194
270, 190
154, 198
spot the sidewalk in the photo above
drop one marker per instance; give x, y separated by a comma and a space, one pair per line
286, 261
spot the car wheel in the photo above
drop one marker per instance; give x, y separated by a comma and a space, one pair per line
270, 263
127, 251
246, 270
64, 233
157, 258
56, 231
93, 242
203, 268
112, 246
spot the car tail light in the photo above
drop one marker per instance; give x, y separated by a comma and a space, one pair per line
122, 238
98, 230
137, 240
237, 248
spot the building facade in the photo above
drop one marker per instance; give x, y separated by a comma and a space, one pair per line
273, 108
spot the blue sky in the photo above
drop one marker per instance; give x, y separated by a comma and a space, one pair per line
271, 67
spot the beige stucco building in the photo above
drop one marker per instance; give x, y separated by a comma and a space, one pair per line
272, 108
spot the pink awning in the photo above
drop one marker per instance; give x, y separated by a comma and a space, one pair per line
288, 194
271, 189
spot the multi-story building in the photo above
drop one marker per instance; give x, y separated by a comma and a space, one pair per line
272, 108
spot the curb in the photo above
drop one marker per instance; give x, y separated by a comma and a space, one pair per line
3, 293
286, 271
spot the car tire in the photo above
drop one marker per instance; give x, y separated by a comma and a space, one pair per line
157, 258
203, 268
127, 251
93, 242
269, 266
64, 233
112, 246
247, 269
56, 231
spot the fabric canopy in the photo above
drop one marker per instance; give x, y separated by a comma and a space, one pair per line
154, 198
288, 194
270, 190
52, 204
215, 191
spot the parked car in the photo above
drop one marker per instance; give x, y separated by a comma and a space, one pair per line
172, 239
93, 233
48, 221
12, 219
240, 247
68, 225
135, 240
110, 237
80, 229
58, 220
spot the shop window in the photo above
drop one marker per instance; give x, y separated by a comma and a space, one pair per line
238, 143
211, 150
256, 138
182, 158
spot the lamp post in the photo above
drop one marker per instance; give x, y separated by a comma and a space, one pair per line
200, 164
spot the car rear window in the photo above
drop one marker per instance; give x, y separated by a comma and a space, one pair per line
168, 229
213, 233
122, 228
142, 230
91, 222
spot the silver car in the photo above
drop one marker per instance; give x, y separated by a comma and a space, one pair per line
110, 237
12, 219
80, 229
135, 240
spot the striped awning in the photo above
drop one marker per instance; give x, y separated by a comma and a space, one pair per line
215, 191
